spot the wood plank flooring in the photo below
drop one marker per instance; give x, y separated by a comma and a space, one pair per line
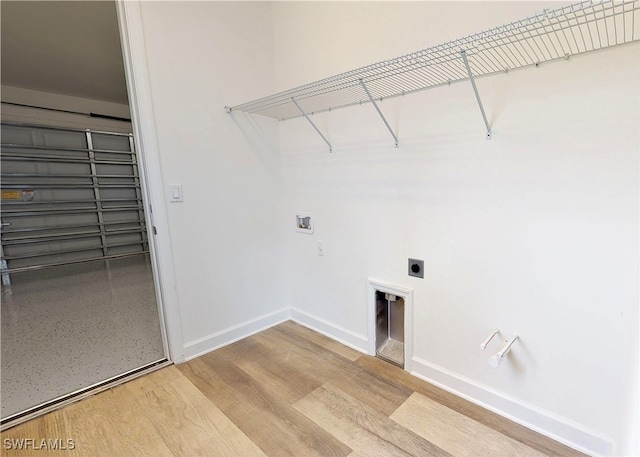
286, 391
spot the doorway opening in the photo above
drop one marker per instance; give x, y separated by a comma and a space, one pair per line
78, 293
79, 305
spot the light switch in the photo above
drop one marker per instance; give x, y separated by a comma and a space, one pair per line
175, 193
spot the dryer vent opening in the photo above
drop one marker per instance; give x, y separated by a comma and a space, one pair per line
390, 335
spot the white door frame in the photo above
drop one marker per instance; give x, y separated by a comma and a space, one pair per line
144, 132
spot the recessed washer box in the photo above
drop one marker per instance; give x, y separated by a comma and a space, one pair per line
390, 329
304, 223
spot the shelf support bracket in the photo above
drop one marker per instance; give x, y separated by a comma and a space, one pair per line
475, 90
364, 86
311, 122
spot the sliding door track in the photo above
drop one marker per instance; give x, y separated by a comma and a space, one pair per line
65, 400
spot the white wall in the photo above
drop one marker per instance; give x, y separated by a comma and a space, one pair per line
226, 238
535, 231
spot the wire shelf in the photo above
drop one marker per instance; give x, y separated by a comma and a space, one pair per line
547, 36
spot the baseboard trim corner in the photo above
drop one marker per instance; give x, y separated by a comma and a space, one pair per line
216, 340
339, 334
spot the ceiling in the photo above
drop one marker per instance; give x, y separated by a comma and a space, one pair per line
66, 47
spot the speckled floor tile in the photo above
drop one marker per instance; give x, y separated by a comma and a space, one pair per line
67, 328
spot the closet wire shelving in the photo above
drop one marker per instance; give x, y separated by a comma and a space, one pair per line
547, 36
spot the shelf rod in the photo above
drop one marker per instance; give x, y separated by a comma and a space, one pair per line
61, 129
364, 86
62, 227
58, 211
68, 237
70, 262
475, 90
72, 202
55, 148
71, 185
33, 255
19, 157
311, 122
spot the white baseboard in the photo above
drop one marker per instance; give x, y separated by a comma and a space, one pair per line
555, 427
558, 428
209, 343
341, 335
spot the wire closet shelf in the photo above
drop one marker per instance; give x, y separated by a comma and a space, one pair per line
547, 36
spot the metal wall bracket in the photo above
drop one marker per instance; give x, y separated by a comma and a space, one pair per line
379, 111
311, 122
475, 90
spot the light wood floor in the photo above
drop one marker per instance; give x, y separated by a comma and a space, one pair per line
287, 391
